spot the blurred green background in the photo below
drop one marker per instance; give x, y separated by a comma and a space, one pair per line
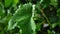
29, 16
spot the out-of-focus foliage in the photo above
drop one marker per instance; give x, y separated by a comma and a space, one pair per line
29, 16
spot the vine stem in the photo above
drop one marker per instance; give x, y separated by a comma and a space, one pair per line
45, 16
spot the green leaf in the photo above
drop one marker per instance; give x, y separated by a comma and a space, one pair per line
8, 3
15, 2
2, 11
22, 17
58, 12
54, 25
54, 2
